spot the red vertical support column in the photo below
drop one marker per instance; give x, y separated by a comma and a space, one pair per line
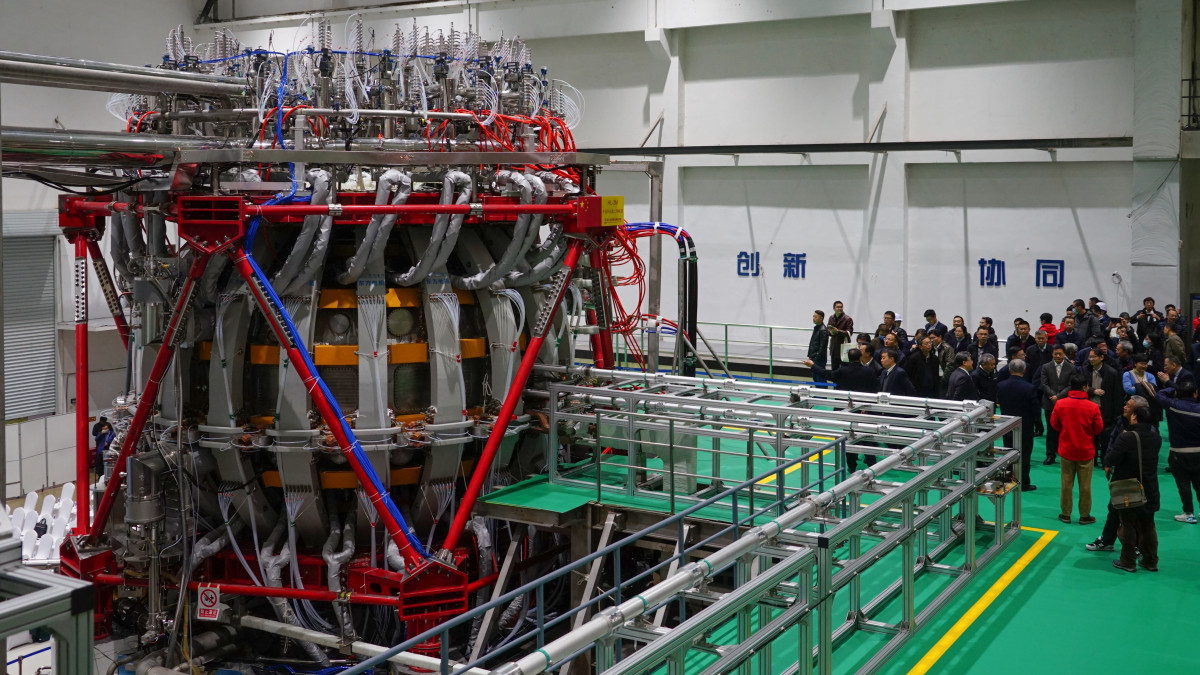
602, 346
83, 455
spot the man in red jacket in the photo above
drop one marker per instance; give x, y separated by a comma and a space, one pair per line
1078, 421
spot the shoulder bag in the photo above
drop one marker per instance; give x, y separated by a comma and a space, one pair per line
1128, 493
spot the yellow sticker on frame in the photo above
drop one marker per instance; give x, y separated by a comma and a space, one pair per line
612, 211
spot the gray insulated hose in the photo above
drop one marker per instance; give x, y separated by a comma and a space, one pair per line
530, 191
119, 251
320, 180
380, 227
335, 560
156, 227
273, 566
445, 232
547, 262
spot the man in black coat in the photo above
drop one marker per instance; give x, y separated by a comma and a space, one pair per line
1017, 397
982, 345
893, 379
985, 378
1105, 390
1068, 336
818, 344
1127, 460
960, 387
1021, 338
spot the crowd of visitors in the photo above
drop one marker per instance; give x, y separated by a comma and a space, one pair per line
1097, 386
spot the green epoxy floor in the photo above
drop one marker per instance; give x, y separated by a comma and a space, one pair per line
1059, 615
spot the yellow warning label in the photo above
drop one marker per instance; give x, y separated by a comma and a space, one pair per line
612, 211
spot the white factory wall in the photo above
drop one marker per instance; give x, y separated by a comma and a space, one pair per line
1077, 212
1056, 69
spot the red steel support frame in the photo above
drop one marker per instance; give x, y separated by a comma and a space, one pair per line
83, 463
242, 263
315, 594
515, 392
149, 396
277, 210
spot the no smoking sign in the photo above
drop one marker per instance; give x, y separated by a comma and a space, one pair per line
210, 602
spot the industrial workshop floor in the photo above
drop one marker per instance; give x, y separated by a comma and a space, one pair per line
1044, 605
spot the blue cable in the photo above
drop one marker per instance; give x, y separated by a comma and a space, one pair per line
356, 447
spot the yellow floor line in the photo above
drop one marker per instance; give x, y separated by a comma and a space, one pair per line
771, 478
964, 622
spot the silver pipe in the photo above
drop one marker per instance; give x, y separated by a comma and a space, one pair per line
72, 77
359, 648
36, 146
238, 113
105, 66
274, 565
607, 622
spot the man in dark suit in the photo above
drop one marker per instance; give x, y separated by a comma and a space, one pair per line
931, 322
893, 379
1173, 373
818, 344
1055, 382
1017, 397
1035, 356
960, 387
853, 376
1106, 391
1068, 335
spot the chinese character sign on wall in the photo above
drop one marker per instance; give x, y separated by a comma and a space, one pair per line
991, 272
1049, 273
793, 265
747, 264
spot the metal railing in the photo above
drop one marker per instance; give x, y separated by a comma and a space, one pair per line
760, 345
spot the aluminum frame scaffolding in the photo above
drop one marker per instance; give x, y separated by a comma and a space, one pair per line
781, 545
798, 569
